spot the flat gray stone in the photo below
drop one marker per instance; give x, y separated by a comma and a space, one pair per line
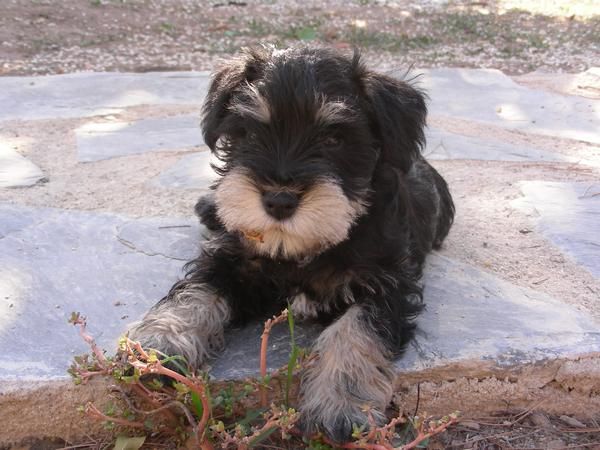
54, 262
474, 315
489, 96
568, 214
193, 171
443, 144
190, 172
470, 315
94, 94
105, 140
481, 95
174, 238
112, 269
16, 170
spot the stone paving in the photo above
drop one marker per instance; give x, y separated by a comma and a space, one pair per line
16, 170
112, 267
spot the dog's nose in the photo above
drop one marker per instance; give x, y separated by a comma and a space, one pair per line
280, 205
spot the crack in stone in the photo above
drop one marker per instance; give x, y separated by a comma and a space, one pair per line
132, 246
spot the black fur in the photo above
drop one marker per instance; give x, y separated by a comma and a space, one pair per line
374, 154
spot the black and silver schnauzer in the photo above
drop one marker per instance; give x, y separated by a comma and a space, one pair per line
325, 203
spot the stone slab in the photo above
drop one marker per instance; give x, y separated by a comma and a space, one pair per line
193, 171
489, 96
567, 214
113, 268
470, 316
473, 315
481, 95
443, 144
108, 267
190, 172
105, 140
16, 170
93, 94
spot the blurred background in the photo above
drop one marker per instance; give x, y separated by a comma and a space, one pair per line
516, 36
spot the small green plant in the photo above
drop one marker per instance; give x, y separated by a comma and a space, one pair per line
258, 27
185, 408
307, 33
167, 28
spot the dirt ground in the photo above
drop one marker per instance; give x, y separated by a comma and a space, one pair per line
516, 36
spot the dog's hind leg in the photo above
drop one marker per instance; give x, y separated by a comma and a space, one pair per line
188, 322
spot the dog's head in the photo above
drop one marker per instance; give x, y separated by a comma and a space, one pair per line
302, 134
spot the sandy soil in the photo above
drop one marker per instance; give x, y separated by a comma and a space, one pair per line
516, 36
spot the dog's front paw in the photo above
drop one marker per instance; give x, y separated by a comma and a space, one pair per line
337, 419
349, 382
166, 344
189, 322
206, 210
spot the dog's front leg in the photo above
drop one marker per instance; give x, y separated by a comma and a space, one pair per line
351, 377
188, 322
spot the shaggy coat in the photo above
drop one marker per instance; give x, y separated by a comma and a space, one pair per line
324, 203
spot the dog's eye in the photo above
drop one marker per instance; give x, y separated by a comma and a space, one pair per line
332, 141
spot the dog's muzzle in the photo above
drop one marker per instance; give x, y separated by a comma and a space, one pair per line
280, 205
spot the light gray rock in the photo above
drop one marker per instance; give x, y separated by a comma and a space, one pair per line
191, 172
16, 170
474, 315
443, 144
568, 214
93, 94
194, 171
174, 238
112, 269
53, 262
489, 96
481, 95
470, 315
105, 140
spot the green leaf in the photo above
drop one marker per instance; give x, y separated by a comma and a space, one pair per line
306, 34
423, 444
251, 416
177, 361
197, 403
152, 357
181, 388
122, 342
129, 443
262, 436
109, 410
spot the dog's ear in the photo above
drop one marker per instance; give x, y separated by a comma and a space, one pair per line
397, 112
224, 83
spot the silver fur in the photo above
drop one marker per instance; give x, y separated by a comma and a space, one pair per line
351, 373
190, 324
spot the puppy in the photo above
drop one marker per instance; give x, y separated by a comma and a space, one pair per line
324, 203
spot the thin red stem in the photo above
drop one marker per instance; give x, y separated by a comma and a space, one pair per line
422, 436
94, 412
264, 343
91, 342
